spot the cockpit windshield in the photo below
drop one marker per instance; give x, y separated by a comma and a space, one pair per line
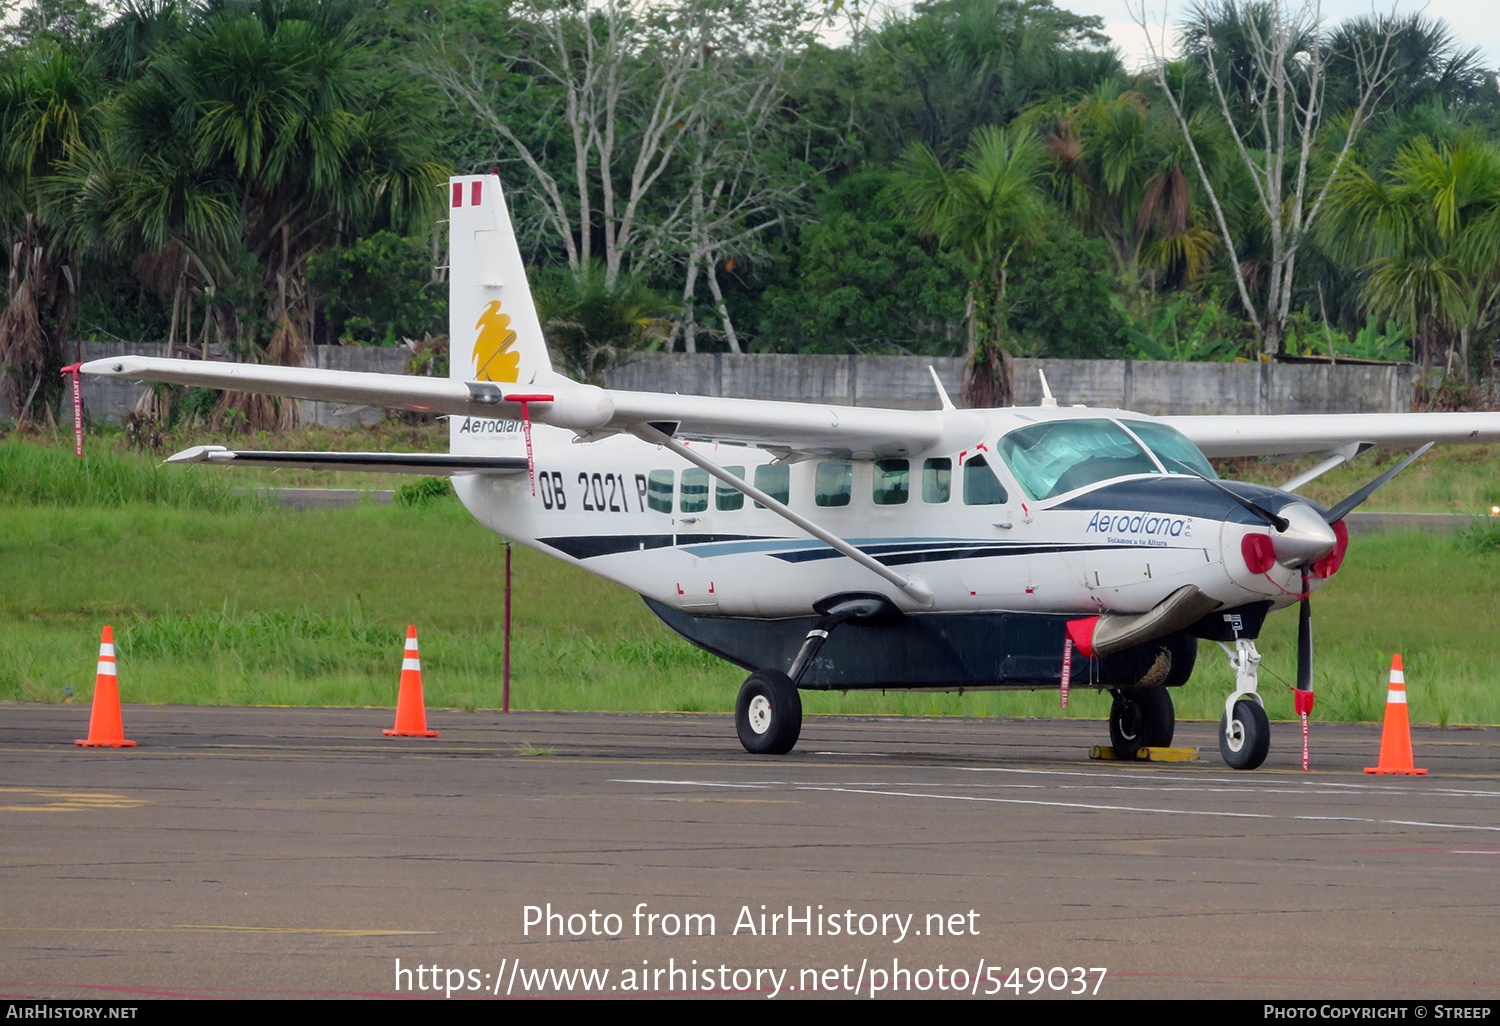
1171, 446
1059, 456
1062, 455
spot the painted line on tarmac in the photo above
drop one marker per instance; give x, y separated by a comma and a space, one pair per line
197, 928
69, 801
957, 798
885, 791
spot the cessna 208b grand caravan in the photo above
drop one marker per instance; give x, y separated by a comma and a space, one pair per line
852, 548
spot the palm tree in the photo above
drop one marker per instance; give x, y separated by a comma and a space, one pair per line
47, 100
1123, 172
1428, 235
990, 204
251, 141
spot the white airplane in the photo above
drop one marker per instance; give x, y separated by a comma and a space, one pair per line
847, 548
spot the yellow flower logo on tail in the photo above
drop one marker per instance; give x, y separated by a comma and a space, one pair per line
494, 359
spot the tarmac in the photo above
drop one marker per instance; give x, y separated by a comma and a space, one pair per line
297, 852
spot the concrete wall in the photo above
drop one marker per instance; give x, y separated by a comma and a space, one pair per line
904, 382
901, 382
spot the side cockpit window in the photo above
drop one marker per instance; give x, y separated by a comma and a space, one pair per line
937, 479
981, 486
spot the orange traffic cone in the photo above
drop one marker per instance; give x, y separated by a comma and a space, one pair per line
105, 728
1395, 743
411, 713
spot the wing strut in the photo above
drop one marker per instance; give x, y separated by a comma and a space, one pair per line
913, 586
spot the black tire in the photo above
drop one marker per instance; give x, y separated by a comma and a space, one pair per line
1245, 741
768, 715
1141, 718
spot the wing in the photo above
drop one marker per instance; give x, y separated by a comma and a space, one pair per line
436, 465
1305, 434
789, 428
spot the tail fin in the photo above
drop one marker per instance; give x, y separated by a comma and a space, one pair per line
493, 331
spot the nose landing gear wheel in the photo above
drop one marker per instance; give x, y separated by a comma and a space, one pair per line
1245, 739
1140, 718
768, 715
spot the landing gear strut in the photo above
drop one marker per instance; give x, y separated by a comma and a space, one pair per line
768, 715
1244, 732
1140, 718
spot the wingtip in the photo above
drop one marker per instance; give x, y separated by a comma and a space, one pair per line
197, 454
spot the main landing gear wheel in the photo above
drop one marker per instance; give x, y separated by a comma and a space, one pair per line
1245, 739
768, 714
1140, 718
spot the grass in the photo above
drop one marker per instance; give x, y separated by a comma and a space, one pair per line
217, 600
1448, 479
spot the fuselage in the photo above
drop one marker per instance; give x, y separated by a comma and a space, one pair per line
988, 526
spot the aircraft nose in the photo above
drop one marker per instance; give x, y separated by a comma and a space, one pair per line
1307, 537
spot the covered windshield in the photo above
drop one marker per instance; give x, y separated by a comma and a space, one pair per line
1059, 456
1172, 446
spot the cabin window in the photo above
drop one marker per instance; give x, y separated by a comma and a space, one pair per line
694, 496
890, 482
981, 486
727, 497
1171, 446
835, 483
937, 480
775, 481
659, 491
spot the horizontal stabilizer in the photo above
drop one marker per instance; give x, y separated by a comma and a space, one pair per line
433, 464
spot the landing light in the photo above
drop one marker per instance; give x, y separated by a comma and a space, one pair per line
1495, 511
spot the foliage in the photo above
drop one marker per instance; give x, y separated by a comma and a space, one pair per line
247, 144
32, 475
379, 290
591, 322
972, 63
1428, 233
861, 279
1303, 338
1061, 300
984, 209
1187, 329
424, 492
1481, 537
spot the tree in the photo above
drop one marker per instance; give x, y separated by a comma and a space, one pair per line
1267, 65
1428, 234
1123, 172
978, 62
988, 206
251, 141
739, 180
629, 97
47, 115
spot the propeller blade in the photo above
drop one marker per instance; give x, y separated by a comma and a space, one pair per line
1279, 523
1349, 504
1304, 634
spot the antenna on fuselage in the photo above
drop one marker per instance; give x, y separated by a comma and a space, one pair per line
942, 392
1048, 402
